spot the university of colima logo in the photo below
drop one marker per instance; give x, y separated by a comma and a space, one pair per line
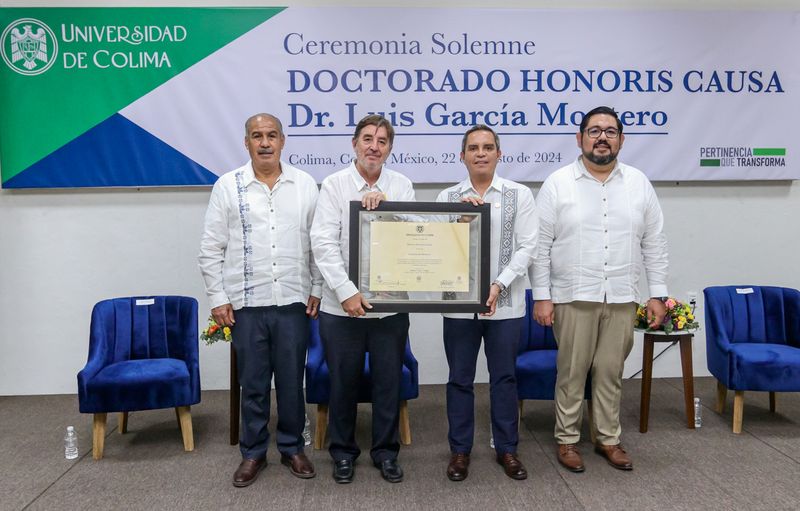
29, 46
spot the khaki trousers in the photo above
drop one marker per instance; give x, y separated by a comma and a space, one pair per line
598, 337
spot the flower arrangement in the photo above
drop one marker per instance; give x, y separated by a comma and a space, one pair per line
679, 317
214, 332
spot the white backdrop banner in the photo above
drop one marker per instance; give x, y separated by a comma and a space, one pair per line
702, 95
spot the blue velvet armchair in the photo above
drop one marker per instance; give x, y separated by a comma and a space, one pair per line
536, 358
318, 386
143, 355
536, 361
752, 342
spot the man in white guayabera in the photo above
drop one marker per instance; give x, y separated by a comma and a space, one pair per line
261, 280
599, 221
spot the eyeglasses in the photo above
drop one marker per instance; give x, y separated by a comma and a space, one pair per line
595, 132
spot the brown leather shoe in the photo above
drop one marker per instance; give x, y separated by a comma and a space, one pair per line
299, 465
248, 471
458, 469
570, 458
513, 467
615, 455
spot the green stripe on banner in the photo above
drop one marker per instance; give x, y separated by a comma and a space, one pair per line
105, 59
709, 163
769, 151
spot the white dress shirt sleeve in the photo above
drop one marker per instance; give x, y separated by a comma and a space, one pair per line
213, 244
654, 246
316, 275
526, 233
325, 242
540, 279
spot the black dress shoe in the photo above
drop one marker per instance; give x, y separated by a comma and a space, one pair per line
390, 470
343, 471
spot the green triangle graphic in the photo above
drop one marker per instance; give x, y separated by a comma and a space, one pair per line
141, 47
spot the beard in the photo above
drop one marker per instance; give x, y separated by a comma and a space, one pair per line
600, 160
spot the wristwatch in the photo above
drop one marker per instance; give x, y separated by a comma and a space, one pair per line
500, 285
663, 299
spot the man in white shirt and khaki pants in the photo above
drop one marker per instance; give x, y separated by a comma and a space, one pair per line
599, 221
255, 257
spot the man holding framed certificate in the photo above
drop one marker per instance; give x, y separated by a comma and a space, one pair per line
347, 328
514, 231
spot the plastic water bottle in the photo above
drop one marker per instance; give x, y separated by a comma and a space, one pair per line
491, 436
71, 444
307, 431
698, 413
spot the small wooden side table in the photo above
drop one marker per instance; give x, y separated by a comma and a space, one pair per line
685, 340
234, 399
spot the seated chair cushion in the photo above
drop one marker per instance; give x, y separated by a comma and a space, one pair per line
536, 374
765, 367
320, 392
140, 385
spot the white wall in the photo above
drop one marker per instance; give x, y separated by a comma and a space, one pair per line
62, 251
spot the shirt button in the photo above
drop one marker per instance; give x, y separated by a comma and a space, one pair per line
273, 227
273, 264
272, 210
274, 280
273, 246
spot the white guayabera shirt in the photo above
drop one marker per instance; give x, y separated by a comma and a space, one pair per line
595, 237
255, 250
514, 231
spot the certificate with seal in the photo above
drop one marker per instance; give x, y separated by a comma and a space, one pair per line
421, 256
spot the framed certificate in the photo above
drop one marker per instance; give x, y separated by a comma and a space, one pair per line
421, 256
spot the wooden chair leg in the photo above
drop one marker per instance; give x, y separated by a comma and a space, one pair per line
322, 426
185, 421
772, 402
405, 425
592, 426
123, 423
98, 435
738, 410
721, 396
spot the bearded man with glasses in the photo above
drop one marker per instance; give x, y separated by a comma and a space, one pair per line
599, 223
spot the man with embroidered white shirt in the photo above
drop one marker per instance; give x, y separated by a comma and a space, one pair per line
261, 281
514, 230
600, 221
347, 329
